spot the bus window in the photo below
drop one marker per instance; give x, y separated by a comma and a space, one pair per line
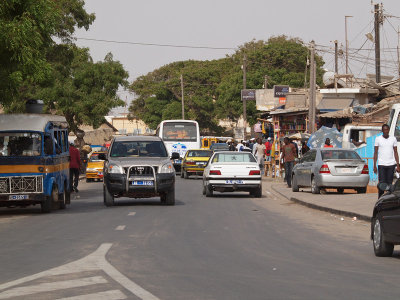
179, 131
48, 145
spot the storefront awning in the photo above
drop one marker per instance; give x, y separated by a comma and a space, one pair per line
334, 104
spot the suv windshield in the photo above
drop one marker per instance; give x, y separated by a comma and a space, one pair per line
138, 148
20, 144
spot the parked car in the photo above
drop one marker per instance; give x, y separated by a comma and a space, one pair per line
94, 168
385, 222
138, 167
194, 162
219, 147
330, 168
230, 171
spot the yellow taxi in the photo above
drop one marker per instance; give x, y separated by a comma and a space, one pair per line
194, 162
94, 169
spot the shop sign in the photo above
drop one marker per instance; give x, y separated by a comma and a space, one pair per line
248, 95
282, 100
281, 91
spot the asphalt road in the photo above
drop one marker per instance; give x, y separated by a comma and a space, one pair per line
230, 246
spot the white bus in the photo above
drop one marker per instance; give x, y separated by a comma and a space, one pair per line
179, 136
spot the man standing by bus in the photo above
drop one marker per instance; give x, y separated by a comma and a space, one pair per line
386, 155
74, 166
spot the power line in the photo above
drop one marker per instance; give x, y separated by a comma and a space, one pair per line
155, 44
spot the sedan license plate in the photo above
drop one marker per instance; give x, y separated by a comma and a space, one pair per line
234, 181
18, 197
142, 182
346, 170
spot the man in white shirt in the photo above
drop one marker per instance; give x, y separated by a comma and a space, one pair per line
259, 152
239, 146
387, 157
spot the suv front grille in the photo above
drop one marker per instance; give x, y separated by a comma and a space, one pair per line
21, 184
141, 171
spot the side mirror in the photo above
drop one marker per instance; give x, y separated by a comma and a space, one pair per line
102, 156
383, 186
175, 155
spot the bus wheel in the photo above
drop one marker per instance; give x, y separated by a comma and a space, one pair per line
62, 198
47, 205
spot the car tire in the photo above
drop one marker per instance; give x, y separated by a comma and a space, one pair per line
170, 197
209, 191
295, 187
204, 188
314, 188
362, 190
185, 175
47, 205
381, 248
340, 190
257, 192
108, 197
88, 180
182, 173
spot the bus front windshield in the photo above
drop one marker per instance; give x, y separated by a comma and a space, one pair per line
20, 144
180, 131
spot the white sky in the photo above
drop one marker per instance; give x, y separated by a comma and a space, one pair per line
230, 23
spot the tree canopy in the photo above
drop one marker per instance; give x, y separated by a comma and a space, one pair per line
212, 88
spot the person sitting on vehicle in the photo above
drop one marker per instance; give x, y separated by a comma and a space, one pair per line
328, 143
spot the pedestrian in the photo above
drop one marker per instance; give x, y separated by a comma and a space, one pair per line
288, 156
387, 157
328, 143
268, 147
74, 166
251, 144
239, 146
304, 148
296, 146
259, 152
231, 146
246, 147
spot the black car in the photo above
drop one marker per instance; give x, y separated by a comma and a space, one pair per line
385, 222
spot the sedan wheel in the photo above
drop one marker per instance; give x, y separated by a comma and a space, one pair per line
381, 248
314, 188
209, 191
295, 187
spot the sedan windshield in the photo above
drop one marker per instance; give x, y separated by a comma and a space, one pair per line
339, 154
20, 144
233, 157
138, 148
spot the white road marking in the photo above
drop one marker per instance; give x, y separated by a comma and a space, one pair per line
108, 295
120, 227
268, 192
132, 213
51, 286
92, 262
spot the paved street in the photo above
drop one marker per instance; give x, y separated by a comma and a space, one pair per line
230, 246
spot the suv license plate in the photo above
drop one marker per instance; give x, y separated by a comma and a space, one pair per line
142, 182
18, 197
234, 181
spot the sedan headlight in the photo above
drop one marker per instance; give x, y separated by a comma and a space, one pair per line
116, 169
167, 168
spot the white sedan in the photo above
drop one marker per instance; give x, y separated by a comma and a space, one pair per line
230, 171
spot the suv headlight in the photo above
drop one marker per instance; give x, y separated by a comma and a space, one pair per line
116, 169
167, 168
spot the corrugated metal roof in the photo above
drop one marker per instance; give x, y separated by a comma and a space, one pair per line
29, 122
289, 110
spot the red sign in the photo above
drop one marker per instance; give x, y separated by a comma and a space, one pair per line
282, 100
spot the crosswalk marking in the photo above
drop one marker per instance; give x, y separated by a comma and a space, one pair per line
108, 295
120, 227
52, 286
93, 262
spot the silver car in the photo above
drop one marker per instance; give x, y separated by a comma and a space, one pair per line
330, 168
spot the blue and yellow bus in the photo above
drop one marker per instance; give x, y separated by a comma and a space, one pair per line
34, 161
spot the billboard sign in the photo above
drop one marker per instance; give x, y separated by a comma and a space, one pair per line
248, 95
280, 91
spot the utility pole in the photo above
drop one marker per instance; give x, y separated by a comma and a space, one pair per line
305, 72
398, 51
183, 99
265, 81
336, 57
378, 21
244, 101
347, 45
311, 97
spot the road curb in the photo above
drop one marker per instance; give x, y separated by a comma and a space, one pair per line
323, 208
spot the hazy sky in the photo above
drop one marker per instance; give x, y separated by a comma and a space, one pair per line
228, 24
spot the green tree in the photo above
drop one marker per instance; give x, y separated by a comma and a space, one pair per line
27, 29
81, 90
